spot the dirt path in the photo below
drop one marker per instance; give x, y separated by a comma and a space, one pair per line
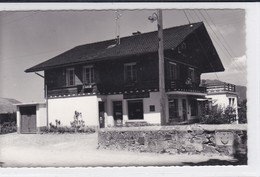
52, 150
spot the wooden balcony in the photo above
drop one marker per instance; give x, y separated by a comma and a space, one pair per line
179, 85
71, 90
102, 88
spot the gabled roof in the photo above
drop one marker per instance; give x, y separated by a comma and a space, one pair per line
129, 46
7, 105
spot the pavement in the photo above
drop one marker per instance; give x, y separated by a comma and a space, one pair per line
80, 150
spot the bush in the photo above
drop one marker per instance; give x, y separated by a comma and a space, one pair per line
65, 129
218, 116
8, 127
242, 112
78, 124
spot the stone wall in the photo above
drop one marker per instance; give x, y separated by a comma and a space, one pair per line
192, 139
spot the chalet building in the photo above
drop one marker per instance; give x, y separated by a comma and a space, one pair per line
223, 95
113, 84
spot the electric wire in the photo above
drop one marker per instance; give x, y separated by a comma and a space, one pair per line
204, 51
221, 43
230, 49
218, 42
186, 16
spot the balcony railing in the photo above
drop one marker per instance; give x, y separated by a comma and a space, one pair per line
103, 88
221, 87
70, 90
179, 85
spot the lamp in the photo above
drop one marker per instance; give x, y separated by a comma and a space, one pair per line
153, 17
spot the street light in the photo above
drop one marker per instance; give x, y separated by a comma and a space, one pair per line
153, 17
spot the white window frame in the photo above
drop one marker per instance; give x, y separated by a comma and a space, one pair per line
68, 81
132, 73
90, 74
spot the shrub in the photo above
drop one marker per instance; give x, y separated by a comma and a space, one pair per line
65, 129
78, 124
242, 112
218, 116
8, 127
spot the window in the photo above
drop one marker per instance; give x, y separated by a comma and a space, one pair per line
173, 71
191, 74
88, 75
183, 46
152, 108
231, 101
130, 72
70, 76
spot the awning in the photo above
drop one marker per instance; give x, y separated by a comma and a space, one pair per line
202, 99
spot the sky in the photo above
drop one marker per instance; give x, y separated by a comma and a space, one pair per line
28, 38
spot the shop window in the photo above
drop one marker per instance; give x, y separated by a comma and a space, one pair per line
135, 110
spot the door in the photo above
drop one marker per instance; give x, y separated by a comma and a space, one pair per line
135, 110
101, 108
184, 109
28, 119
174, 117
118, 113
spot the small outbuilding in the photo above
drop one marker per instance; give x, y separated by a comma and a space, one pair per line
7, 110
31, 117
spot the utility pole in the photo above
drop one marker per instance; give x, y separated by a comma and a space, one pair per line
161, 67
158, 17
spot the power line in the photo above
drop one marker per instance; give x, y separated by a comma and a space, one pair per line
190, 16
204, 51
227, 50
186, 16
219, 32
218, 41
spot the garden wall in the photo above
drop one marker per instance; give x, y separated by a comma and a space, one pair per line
192, 139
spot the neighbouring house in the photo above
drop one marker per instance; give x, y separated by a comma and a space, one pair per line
7, 110
223, 95
116, 83
31, 117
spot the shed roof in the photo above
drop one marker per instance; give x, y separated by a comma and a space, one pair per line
129, 46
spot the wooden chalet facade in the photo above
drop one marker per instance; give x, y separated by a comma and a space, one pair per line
115, 84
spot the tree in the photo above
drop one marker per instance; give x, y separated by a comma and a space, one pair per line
242, 112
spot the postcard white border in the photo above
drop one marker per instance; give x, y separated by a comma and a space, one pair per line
253, 47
